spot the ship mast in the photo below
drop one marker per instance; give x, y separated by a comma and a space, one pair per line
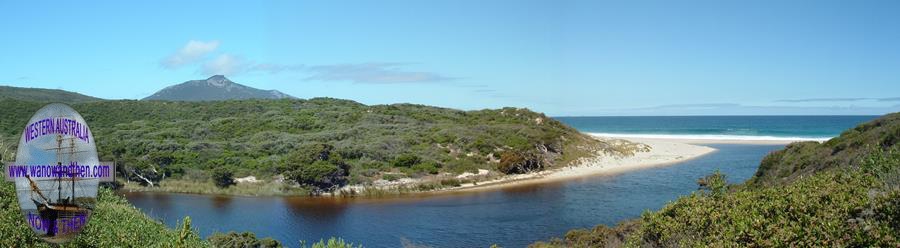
72, 173
60, 169
58, 162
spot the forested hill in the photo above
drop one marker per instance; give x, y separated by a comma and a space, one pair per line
320, 143
43, 95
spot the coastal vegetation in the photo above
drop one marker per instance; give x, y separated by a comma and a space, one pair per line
244, 239
844, 192
313, 146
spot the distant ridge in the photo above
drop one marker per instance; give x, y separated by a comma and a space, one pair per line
43, 95
215, 88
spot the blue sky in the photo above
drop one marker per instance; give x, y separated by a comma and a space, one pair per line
557, 57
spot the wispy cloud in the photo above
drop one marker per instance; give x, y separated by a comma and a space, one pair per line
696, 106
198, 53
231, 65
843, 99
276, 68
484, 90
374, 73
193, 51
224, 64
848, 99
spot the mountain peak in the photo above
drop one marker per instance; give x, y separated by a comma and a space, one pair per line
215, 88
218, 80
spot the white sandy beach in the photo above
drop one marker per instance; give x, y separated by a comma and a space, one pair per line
662, 152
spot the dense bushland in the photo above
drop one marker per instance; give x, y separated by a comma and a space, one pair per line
152, 141
852, 207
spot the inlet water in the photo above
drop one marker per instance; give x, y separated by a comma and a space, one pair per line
510, 217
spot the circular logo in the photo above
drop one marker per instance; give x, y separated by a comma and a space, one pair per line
57, 173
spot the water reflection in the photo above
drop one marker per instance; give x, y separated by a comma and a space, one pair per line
325, 214
220, 202
546, 187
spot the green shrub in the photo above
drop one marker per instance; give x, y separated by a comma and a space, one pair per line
223, 177
406, 160
428, 167
317, 166
452, 182
320, 175
392, 177
241, 240
599, 236
813, 211
716, 184
331, 243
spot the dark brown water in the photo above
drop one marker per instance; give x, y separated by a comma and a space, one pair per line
510, 217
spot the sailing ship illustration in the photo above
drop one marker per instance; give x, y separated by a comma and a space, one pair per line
67, 209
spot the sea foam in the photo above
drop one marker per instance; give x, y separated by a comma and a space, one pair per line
710, 137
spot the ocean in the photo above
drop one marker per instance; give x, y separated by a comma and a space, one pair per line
817, 128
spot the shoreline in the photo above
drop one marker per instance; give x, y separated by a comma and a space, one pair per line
710, 139
662, 152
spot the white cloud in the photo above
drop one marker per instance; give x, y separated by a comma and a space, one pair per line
845, 99
275, 68
231, 65
225, 64
192, 52
834, 99
198, 53
377, 73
